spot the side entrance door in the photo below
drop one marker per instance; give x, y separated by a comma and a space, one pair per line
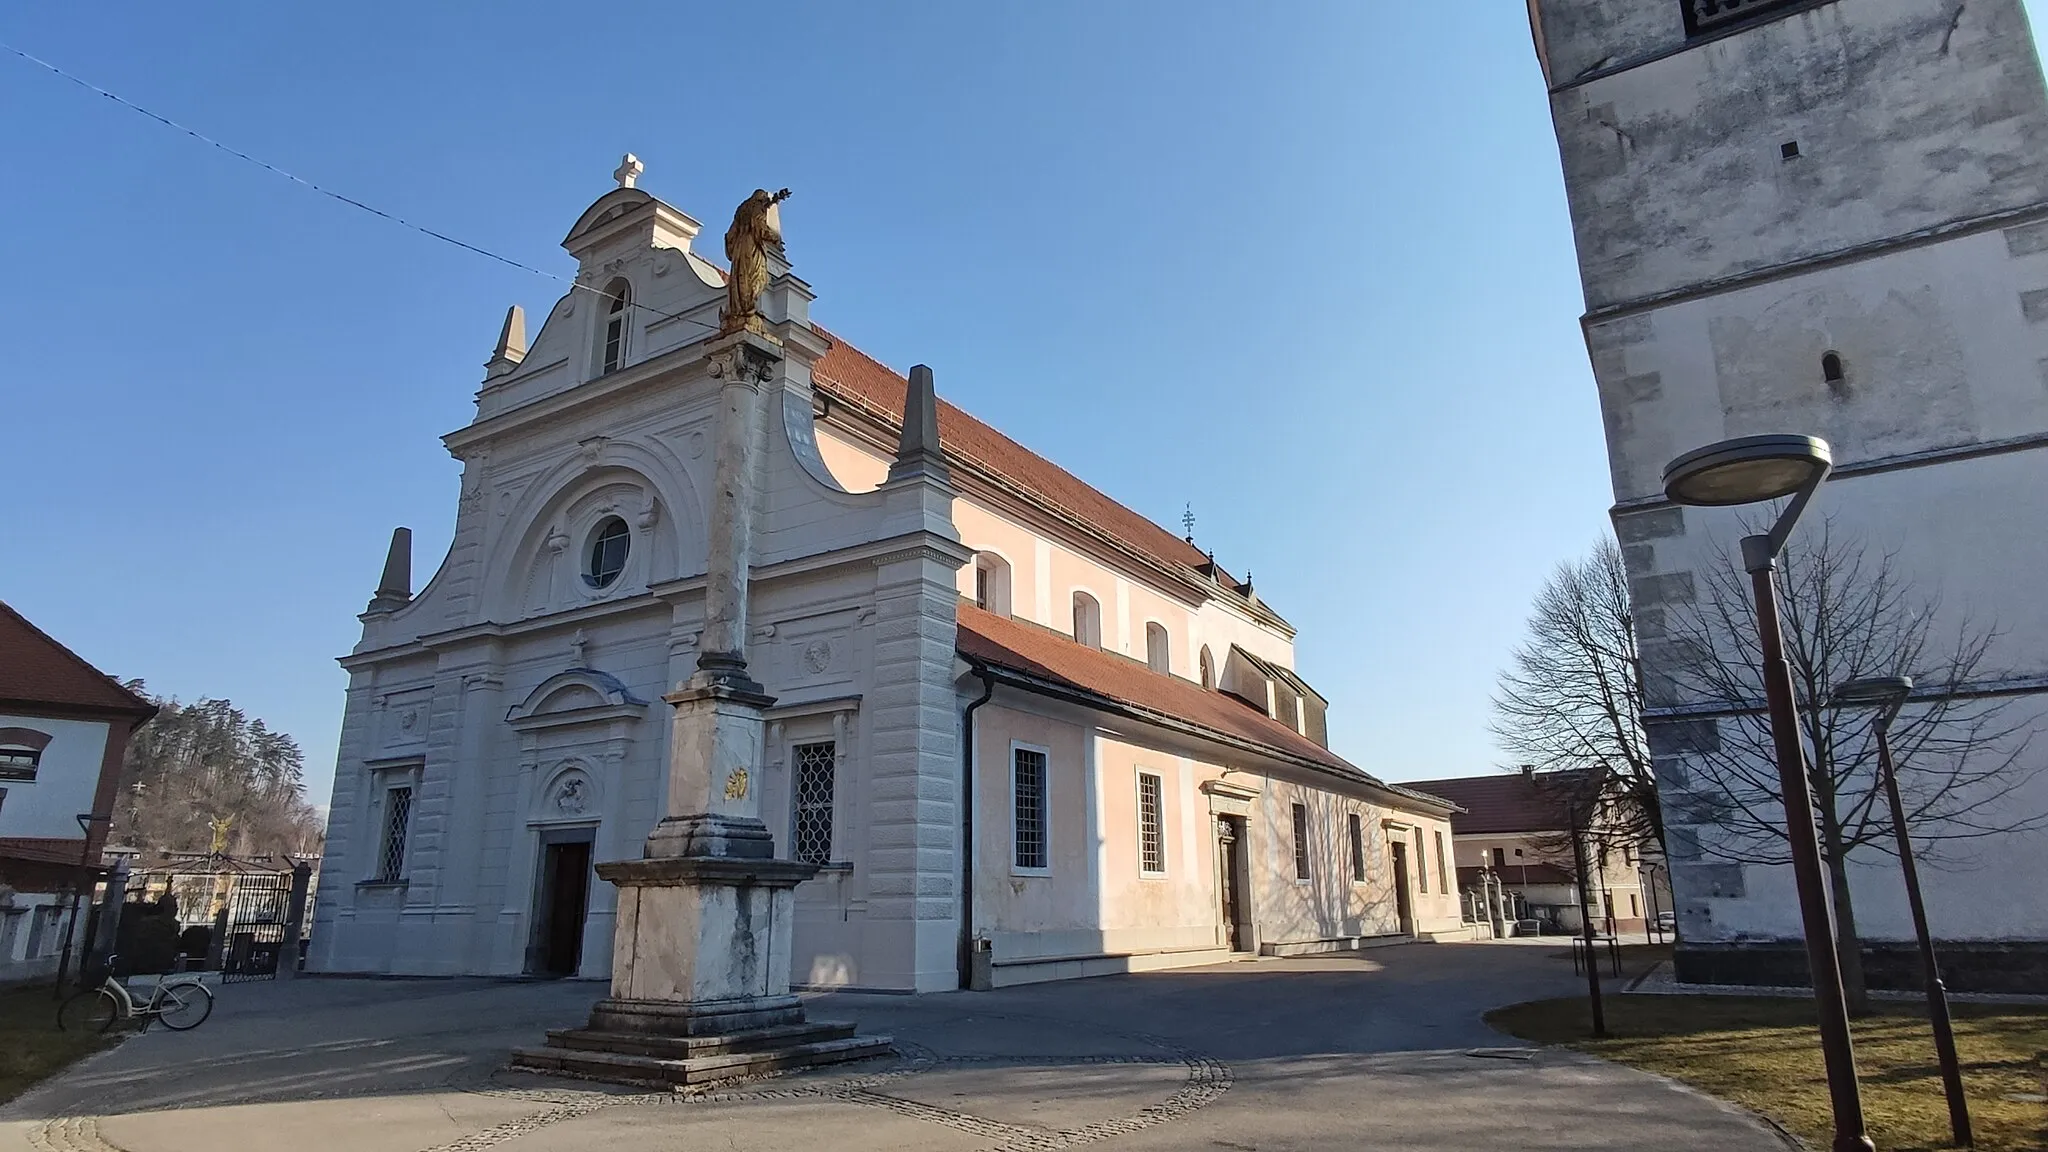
1230, 867
1401, 905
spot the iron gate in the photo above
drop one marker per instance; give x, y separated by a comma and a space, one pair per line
254, 920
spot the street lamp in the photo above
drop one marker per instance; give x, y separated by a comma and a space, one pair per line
1752, 470
1888, 694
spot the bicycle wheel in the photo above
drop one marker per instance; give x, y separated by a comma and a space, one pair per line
93, 1010
183, 1006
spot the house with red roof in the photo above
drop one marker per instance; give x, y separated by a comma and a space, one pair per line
1020, 731
64, 727
1515, 829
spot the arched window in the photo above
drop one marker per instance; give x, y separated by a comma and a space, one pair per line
1157, 657
1208, 668
607, 554
1087, 620
992, 583
1831, 367
611, 339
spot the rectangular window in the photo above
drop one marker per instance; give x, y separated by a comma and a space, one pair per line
1443, 879
980, 587
614, 344
1301, 841
397, 818
813, 768
1151, 825
1635, 906
18, 763
1704, 16
1421, 864
1500, 857
1028, 807
1357, 848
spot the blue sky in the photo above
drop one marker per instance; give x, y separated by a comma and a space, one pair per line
1312, 274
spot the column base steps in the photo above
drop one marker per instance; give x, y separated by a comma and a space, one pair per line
659, 1061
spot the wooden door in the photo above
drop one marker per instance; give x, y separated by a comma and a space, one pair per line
568, 899
1401, 905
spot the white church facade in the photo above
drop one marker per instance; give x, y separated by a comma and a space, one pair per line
1023, 732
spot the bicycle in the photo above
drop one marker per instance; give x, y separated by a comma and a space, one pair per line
181, 1004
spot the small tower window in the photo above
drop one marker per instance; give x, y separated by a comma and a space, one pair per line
1157, 653
608, 547
1789, 150
618, 299
1831, 367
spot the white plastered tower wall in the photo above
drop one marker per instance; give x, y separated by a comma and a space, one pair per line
514, 704
1865, 179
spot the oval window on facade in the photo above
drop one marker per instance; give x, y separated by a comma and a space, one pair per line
609, 544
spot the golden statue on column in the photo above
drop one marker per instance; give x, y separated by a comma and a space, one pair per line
756, 231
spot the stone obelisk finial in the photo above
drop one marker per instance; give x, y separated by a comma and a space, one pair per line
917, 451
394, 589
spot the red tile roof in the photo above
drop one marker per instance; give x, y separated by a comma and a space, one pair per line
35, 669
1046, 655
1505, 801
846, 371
43, 849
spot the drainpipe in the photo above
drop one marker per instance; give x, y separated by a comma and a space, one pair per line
966, 950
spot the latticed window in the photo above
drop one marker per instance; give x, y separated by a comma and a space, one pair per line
397, 816
1702, 16
1357, 848
815, 766
1151, 821
1027, 792
1301, 841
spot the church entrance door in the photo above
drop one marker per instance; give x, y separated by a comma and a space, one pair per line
564, 899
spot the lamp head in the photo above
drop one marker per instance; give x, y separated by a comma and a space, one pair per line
1747, 470
1874, 690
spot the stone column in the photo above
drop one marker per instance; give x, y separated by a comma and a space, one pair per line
741, 365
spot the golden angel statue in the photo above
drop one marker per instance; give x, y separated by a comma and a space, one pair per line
756, 229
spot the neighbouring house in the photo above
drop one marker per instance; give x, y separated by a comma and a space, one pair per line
1517, 827
1024, 732
1827, 219
64, 727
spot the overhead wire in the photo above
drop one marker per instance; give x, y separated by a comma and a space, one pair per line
332, 194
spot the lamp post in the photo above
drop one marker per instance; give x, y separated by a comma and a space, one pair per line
1650, 894
1752, 470
1888, 694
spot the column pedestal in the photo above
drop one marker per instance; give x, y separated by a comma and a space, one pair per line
700, 981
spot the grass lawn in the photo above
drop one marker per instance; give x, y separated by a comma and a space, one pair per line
1765, 1055
31, 1048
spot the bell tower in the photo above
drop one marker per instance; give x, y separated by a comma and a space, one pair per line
1823, 217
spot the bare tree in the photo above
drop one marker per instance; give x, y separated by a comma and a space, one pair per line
1848, 613
1571, 699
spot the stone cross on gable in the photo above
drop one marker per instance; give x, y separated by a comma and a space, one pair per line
629, 170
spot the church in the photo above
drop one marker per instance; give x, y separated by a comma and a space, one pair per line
1021, 732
